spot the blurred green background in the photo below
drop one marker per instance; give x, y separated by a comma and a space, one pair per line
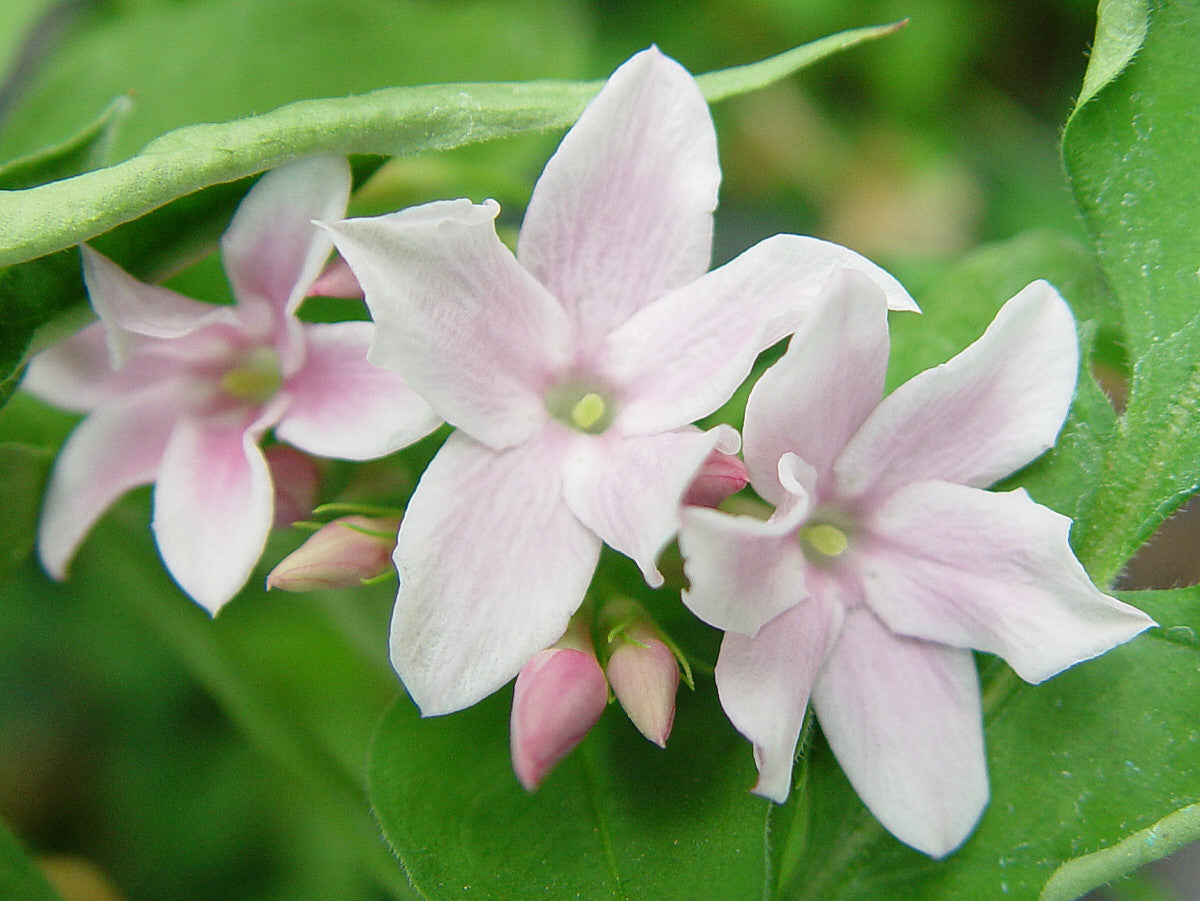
146, 753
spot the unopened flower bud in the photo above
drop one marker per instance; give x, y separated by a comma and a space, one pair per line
559, 695
642, 668
336, 280
720, 476
341, 554
295, 477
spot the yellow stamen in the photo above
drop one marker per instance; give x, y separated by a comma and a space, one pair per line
827, 540
588, 411
256, 378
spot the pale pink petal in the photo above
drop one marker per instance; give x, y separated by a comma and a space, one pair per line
990, 571
339, 405
742, 571
456, 315
623, 211
272, 251
492, 565
559, 695
116, 448
132, 310
682, 356
764, 684
982, 415
74, 374
818, 394
336, 280
213, 506
903, 718
629, 490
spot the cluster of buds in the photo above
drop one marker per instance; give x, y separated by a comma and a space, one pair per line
562, 691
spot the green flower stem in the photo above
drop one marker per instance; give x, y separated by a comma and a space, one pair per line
391, 121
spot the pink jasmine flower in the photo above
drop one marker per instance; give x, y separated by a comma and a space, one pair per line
885, 560
180, 393
572, 370
559, 695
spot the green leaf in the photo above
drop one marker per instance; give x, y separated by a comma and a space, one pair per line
19, 878
1133, 157
23, 472
618, 818
1103, 756
80, 153
389, 121
1120, 29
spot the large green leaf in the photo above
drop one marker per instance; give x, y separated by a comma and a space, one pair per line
19, 878
619, 818
1088, 770
1133, 156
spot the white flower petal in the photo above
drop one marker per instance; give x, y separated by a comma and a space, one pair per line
74, 374
990, 571
903, 718
116, 448
339, 405
764, 684
272, 251
456, 315
133, 311
629, 490
743, 572
492, 565
682, 356
818, 394
623, 211
982, 415
213, 506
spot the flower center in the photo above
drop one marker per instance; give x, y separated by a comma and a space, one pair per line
581, 406
255, 377
824, 540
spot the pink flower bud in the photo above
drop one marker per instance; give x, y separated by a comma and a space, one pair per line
336, 280
559, 695
720, 476
295, 476
341, 554
642, 669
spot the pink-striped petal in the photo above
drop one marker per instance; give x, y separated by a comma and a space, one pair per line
213, 506
990, 571
682, 356
818, 394
74, 374
623, 211
133, 311
764, 684
742, 571
339, 405
272, 251
629, 490
903, 718
979, 417
456, 315
492, 565
116, 448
